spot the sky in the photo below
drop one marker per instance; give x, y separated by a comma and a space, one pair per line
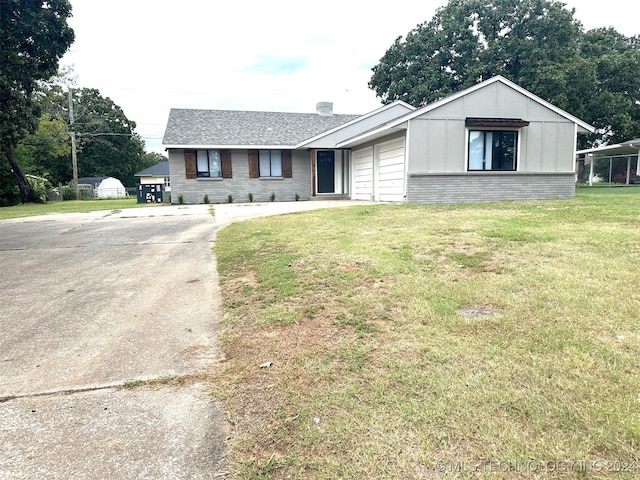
149, 56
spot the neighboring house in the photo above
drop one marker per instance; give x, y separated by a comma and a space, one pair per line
155, 183
157, 174
104, 187
493, 141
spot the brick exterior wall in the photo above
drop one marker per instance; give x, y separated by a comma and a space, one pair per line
470, 187
218, 190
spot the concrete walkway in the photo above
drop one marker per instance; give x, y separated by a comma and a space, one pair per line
92, 301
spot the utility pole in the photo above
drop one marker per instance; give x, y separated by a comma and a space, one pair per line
74, 157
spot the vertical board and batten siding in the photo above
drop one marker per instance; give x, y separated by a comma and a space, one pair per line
437, 151
362, 160
390, 171
240, 184
437, 139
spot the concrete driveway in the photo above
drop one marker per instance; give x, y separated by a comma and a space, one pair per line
90, 302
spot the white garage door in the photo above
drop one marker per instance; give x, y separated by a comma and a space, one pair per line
391, 176
362, 174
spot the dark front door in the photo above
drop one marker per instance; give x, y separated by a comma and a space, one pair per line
326, 171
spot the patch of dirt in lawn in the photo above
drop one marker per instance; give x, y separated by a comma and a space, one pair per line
479, 311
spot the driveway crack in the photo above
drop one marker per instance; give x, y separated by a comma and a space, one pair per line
66, 391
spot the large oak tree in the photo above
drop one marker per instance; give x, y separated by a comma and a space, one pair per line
538, 44
34, 35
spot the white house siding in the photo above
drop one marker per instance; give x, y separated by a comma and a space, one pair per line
437, 140
390, 171
218, 190
362, 160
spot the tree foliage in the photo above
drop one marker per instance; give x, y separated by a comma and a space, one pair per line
538, 44
107, 144
34, 35
47, 151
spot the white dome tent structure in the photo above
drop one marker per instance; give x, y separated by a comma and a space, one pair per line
104, 187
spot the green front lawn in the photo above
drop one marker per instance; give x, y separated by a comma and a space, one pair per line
485, 337
71, 206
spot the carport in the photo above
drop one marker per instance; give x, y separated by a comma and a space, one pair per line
629, 150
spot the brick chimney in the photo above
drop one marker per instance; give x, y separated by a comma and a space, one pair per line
324, 109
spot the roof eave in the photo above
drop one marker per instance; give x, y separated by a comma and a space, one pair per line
355, 120
616, 149
182, 146
372, 135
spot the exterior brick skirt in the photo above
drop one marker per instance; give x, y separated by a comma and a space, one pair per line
489, 187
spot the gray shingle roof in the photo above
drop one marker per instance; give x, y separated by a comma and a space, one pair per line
235, 127
160, 169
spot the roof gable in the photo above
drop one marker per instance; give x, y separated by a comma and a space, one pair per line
360, 124
452, 98
235, 128
160, 169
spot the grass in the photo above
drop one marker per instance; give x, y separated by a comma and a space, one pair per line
401, 336
72, 206
163, 381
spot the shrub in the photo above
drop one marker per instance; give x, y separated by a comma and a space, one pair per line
297, 197
180, 199
251, 197
230, 198
39, 187
622, 177
272, 197
68, 193
85, 193
206, 199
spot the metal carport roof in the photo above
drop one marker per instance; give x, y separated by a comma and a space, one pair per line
629, 149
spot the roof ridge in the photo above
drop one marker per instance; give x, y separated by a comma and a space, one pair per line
263, 111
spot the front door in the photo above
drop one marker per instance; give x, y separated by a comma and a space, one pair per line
326, 164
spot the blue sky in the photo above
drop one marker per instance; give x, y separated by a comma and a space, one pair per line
151, 55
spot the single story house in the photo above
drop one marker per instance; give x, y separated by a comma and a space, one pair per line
157, 174
154, 184
104, 187
493, 141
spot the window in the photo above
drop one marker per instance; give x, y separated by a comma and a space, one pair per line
208, 163
167, 182
494, 150
270, 163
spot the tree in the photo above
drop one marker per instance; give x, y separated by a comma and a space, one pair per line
151, 158
34, 35
106, 140
613, 102
47, 151
535, 43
